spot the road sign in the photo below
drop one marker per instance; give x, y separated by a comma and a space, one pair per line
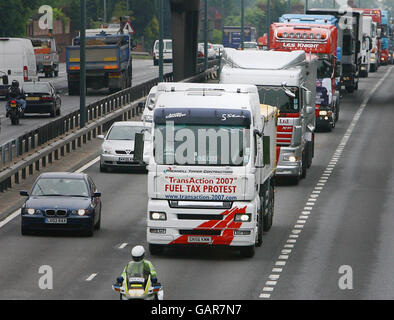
128, 28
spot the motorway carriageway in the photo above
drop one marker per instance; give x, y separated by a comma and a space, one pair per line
143, 71
339, 219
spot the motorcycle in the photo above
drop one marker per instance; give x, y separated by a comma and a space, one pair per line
138, 287
14, 112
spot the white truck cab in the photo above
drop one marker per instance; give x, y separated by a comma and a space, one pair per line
286, 80
211, 176
366, 46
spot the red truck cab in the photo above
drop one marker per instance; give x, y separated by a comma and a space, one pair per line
319, 41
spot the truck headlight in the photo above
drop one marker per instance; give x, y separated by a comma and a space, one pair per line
243, 217
158, 216
290, 158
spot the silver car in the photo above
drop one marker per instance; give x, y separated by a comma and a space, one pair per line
117, 149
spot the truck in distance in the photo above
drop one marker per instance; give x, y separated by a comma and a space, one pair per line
232, 36
376, 51
108, 63
286, 80
350, 23
211, 176
47, 56
321, 41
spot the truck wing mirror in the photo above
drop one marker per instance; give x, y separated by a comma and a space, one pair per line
309, 110
337, 71
267, 150
308, 97
139, 147
297, 138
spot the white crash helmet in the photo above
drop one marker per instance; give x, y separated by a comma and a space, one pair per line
138, 253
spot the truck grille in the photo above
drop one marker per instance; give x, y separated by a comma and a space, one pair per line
200, 232
185, 216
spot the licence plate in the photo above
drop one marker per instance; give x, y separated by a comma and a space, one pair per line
13, 105
56, 220
130, 159
32, 98
199, 239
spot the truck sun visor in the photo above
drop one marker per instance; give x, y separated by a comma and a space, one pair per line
235, 117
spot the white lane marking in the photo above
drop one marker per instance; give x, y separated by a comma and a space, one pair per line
123, 245
315, 193
17, 212
10, 217
91, 277
88, 165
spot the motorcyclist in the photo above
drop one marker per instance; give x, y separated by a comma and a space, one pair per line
15, 93
139, 265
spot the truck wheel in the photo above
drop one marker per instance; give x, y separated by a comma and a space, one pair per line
73, 89
247, 252
156, 249
269, 214
304, 165
260, 223
309, 153
337, 113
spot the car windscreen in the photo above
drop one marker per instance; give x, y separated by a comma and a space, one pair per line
36, 88
60, 187
125, 132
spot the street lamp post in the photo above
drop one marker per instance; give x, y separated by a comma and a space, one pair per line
268, 21
242, 23
105, 11
205, 34
161, 36
82, 81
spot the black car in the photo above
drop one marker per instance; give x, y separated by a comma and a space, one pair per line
41, 97
62, 201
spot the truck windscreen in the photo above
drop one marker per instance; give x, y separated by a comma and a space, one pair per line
324, 68
201, 145
276, 96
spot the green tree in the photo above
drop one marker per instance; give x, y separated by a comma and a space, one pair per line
151, 33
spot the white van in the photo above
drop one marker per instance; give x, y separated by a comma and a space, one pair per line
167, 51
17, 61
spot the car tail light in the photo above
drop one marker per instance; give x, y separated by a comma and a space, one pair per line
46, 98
25, 73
